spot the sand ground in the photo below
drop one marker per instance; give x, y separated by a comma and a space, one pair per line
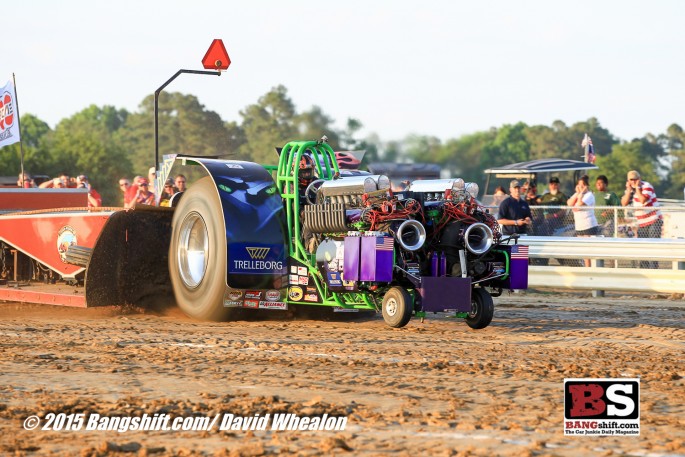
432, 388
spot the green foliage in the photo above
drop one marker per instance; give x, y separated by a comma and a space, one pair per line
36, 160
625, 157
87, 143
185, 127
106, 143
673, 142
267, 124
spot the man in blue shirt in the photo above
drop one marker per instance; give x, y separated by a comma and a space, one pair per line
514, 212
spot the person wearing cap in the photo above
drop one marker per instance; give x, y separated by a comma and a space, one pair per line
514, 213
94, 198
143, 196
168, 192
553, 216
641, 194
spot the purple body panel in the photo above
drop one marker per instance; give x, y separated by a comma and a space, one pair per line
518, 274
351, 259
441, 293
376, 259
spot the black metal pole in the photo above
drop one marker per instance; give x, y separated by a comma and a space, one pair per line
161, 88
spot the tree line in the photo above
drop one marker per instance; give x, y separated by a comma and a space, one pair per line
107, 143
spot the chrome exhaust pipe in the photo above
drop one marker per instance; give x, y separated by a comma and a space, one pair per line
478, 238
411, 235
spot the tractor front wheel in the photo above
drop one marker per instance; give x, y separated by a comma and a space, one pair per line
482, 309
397, 307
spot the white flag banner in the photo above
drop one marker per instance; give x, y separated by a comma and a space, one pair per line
9, 124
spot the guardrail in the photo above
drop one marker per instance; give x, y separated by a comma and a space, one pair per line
615, 263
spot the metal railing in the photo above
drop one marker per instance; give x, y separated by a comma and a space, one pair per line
622, 264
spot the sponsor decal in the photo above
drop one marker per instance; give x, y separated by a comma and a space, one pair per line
606, 406
272, 295
311, 297
303, 280
293, 269
234, 165
253, 294
251, 303
302, 271
294, 279
235, 295
334, 279
255, 259
273, 305
295, 293
66, 236
232, 304
340, 309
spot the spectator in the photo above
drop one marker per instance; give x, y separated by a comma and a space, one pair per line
25, 181
500, 192
152, 178
604, 197
585, 221
531, 196
124, 186
94, 198
132, 192
640, 194
514, 212
143, 195
180, 182
554, 217
167, 193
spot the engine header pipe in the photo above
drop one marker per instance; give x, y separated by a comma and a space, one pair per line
157, 92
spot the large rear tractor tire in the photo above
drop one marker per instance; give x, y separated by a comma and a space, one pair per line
397, 307
197, 254
482, 309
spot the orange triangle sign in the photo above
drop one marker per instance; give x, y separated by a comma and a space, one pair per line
216, 57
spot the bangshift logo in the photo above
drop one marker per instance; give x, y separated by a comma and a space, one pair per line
602, 406
258, 253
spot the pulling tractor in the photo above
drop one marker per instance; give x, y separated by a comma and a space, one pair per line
247, 236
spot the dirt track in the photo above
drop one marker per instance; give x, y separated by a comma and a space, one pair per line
433, 388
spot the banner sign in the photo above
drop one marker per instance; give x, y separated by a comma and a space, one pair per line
9, 124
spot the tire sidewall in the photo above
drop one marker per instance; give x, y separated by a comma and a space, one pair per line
404, 309
485, 309
205, 301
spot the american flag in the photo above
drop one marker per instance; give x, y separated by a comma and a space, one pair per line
384, 243
519, 252
589, 149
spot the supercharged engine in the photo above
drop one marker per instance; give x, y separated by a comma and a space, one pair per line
363, 234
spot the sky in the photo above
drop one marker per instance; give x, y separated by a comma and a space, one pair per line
438, 68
